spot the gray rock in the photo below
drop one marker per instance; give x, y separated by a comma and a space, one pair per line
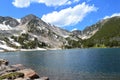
3, 64
29, 73
19, 72
10, 69
9, 21
28, 18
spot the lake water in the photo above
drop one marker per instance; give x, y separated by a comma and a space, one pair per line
74, 64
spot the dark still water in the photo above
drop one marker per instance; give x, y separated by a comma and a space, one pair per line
74, 64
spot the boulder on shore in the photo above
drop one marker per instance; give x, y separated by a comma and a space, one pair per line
3, 64
17, 72
29, 73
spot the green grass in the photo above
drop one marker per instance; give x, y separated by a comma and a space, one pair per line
11, 75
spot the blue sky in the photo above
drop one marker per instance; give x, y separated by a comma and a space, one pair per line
67, 14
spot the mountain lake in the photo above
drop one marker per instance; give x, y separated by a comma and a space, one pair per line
73, 64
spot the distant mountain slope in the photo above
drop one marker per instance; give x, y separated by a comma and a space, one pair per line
108, 35
110, 29
90, 30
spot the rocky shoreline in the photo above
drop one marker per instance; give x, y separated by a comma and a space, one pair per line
17, 72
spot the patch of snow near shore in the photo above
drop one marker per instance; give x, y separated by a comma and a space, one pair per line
32, 49
13, 42
5, 47
16, 43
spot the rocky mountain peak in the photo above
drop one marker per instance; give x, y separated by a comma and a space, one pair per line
76, 32
28, 18
9, 21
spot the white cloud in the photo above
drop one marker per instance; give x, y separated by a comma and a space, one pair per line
21, 3
74, 29
54, 2
113, 15
26, 3
69, 16
76, 0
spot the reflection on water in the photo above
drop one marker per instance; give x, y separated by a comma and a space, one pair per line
75, 64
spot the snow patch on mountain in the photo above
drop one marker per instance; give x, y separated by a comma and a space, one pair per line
19, 20
4, 46
5, 27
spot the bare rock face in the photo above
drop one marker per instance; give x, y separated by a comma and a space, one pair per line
28, 18
76, 32
29, 73
9, 21
3, 64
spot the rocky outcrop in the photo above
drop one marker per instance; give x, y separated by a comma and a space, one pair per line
29, 73
28, 18
9, 21
3, 64
17, 72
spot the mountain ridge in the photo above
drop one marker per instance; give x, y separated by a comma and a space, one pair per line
31, 32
